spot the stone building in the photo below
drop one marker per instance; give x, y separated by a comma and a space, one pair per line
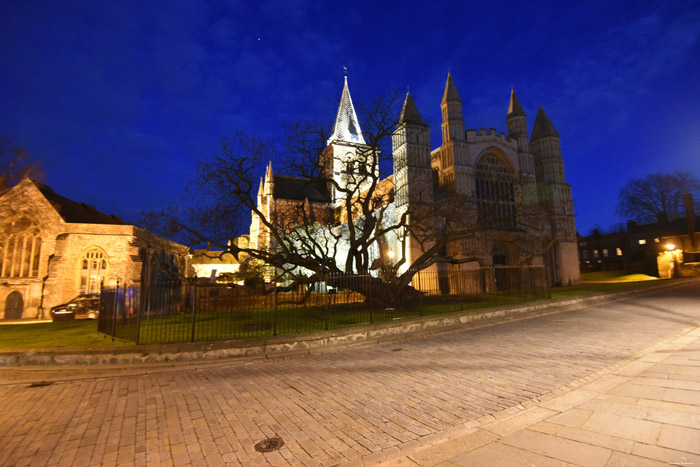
501, 175
53, 249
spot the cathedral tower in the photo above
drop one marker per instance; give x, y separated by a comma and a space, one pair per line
347, 156
455, 173
555, 196
413, 179
516, 121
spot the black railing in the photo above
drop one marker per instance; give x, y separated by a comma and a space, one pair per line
197, 311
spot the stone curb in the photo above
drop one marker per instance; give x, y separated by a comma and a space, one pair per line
327, 341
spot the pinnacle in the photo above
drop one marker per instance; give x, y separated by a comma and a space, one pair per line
451, 93
543, 127
515, 108
409, 113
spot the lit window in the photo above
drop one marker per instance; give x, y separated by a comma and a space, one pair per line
595, 253
642, 242
495, 191
619, 252
20, 250
656, 240
605, 252
92, 271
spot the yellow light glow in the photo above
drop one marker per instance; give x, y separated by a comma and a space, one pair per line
390, 254
670, 246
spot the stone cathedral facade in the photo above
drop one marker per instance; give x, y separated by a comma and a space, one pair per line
500, 175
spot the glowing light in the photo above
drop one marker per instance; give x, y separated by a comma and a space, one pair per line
670, 247
391, 254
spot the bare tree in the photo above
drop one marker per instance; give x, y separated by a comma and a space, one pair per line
657, 196
15, 164
309, 241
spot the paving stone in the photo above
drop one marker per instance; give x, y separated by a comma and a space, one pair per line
680, 438
499, 455
452, 448
572, 417
619, 459
596, 439
519, 421
682, 396
624, 427
668, 456
558, 448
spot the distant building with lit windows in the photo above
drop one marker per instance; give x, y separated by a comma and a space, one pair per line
53, 249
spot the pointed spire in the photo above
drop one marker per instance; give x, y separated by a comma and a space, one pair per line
515, 108
543, 127
347, 126
409, 113
451, 93
268, 172
261, 189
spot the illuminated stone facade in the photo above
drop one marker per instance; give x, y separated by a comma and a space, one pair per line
53, 249
501, 175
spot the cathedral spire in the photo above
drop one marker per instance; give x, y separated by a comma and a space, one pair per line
515, 108
451, 93
543, 127
409, 113
347, 127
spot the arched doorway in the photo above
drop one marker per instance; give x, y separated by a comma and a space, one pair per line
14, 304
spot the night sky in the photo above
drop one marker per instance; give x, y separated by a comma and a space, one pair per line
119, 100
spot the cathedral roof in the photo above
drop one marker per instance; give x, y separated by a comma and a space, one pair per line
515, 108
299, 189
543, 127
409, 113
347, 127
74, 212
451, 93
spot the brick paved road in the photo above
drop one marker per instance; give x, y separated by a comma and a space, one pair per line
360, 406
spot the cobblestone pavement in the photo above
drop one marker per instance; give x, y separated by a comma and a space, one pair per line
363, 406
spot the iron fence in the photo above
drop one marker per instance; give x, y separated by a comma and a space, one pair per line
199, 311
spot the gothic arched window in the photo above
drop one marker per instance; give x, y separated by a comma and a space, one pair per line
495, 191
20, 249
93, 266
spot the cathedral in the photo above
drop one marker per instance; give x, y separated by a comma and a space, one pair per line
511, 185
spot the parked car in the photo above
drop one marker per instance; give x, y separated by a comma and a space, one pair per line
86, 306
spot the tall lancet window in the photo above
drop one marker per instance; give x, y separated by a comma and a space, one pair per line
495, 191
93, 266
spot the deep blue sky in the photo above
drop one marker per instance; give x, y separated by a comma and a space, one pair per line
119, 100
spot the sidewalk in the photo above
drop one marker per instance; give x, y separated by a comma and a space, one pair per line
638, 413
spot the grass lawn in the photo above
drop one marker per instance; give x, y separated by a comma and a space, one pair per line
61, 334
616, 276
213, 326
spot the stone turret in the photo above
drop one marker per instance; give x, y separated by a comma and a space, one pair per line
516, 121
555, 196
455, 172
413, 179
411, 147
452, 119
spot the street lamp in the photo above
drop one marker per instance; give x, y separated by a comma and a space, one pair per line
670, 246
390, 254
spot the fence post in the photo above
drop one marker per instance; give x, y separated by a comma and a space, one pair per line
114, 310
328, 299
194, 307
420, 296
495, 283
371, 318
274, 313
138, 315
